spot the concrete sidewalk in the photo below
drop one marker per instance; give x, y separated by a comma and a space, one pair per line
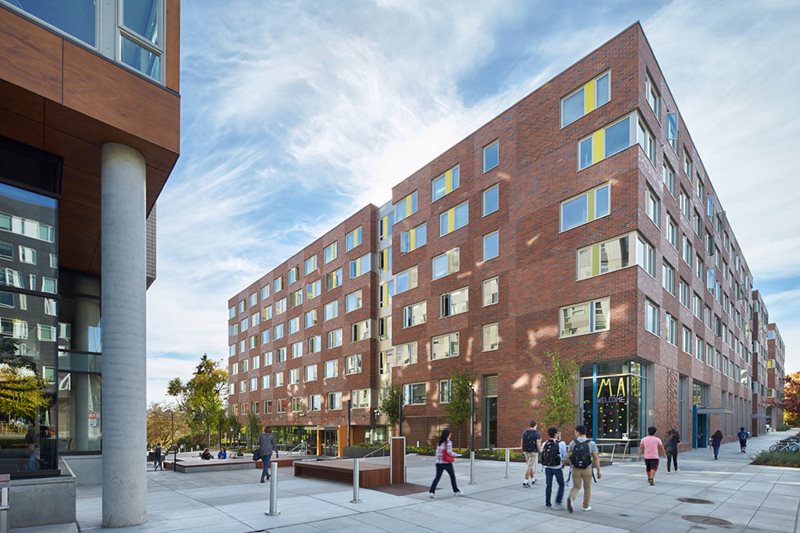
750, 498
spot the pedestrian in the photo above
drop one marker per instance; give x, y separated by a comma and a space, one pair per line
769, 427
652, 448
531, 444
444, 463
223, 453
157, 458
206, 455
716, 441
554, 457
671, 447
266, 446
743, 436
583, 453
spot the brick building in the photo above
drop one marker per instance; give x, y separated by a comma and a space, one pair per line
579, 221
776, 358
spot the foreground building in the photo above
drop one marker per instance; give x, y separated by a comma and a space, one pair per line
776, 359
89, 133
581, 221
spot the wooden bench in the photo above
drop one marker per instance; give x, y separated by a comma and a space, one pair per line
195, 464
341, 470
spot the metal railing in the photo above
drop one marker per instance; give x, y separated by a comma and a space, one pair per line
376, 450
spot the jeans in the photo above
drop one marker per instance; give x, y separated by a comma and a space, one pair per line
716, 450
672, 458
549, 474
444, 467
157, 463
265, 460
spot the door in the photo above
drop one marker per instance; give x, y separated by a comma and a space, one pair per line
330, 442
490, 422
702, 431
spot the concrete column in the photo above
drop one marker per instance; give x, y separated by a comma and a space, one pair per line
124, 359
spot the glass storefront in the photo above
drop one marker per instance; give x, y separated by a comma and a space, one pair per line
614, 400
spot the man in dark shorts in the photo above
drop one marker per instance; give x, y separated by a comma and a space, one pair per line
652, 448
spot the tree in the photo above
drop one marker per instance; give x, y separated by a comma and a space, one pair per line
791, 399
202, 396
21, 394
390, 404
232, 423
253, 428
559, 399
459, 409
163, 422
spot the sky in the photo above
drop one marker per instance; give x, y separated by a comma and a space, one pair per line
296, 114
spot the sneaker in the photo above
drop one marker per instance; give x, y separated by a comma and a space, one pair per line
458, 493
431, 495
548, 507
558, 507
533, 481
526, 485
569, 505
652, 481
587, 508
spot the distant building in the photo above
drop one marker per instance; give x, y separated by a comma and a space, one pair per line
776, 372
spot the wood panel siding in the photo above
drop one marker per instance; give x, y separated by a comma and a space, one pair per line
173, 46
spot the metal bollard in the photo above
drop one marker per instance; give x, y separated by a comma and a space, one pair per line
472, 468
273, 490
508, 461
5, 484
356, 498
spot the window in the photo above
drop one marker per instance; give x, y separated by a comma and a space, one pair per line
406, 280
406, 354
310, 372
255, 319
405, 207
687, 251
700, 187
311, 264
697, 306
296, 298
360, 266
455, 302
414, 238
231, 310
385, 226
352, 364
671, 330
280, 306
360, 398
646, 256
684, 202
414, 314
645, 140
710, 279
333, 279
608, 141
297, 405
414, 393
687, 164
668, 175
360, 330
697, 223
445, 264
653, 97
385, 259
46, 333
331, 310
352, 301
453, 219
313, 289
267, 356
491, 200
49, 285
491, 337
278, 331
294, 376
699, 344
584, 318
266, 313
334, 401
26, 255
491, 156
385, 293
278, 383
352, 239
586, 99
491, 245
446, 183
331, 369
668, 278
331, 252
604, 257
672, 130
444, 391
710, 206
384, 362
652, 206
491, 291
265, 382
687, 340
265, 336
314, 402
277, 285
652, 317
253, 384
297, 349
683, 292
586, 207
315, 344
311, 318
335, 338
293, 274
444, 346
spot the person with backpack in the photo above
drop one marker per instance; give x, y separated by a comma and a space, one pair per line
671, 447
531, 444
716, 442
444, 463
652, 448
554, 457
583, 454
158, 458
743, 436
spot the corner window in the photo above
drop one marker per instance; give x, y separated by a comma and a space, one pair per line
652, 206
584, 318
586, 99
653, 97
405, 207
651, 318
331, 252
586, 207
352, 239
414, 238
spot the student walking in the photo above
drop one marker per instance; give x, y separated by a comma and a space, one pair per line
444, 463
671, 447
583, 453
743, 436
716, 441
158, 458
554, 457
652, 448
266, 445
531, 444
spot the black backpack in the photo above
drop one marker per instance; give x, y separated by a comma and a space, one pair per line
581, 455
551, 456
529, 439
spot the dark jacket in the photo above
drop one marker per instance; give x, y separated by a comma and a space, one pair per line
716, 441
266, 444
672, 441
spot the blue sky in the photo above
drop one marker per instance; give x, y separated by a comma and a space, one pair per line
296, 114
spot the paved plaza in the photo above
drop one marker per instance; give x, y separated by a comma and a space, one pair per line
750, 498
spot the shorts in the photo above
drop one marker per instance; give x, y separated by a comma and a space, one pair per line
531, 459
651, 464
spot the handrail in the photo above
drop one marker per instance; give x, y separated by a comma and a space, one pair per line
376, 450
303, 445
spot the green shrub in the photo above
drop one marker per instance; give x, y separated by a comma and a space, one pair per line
783, 427
496, 454
788, 459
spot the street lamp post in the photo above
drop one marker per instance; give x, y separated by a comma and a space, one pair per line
472, 418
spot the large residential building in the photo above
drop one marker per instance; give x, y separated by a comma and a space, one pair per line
89, 133
579, 222
760, 317
776, 359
